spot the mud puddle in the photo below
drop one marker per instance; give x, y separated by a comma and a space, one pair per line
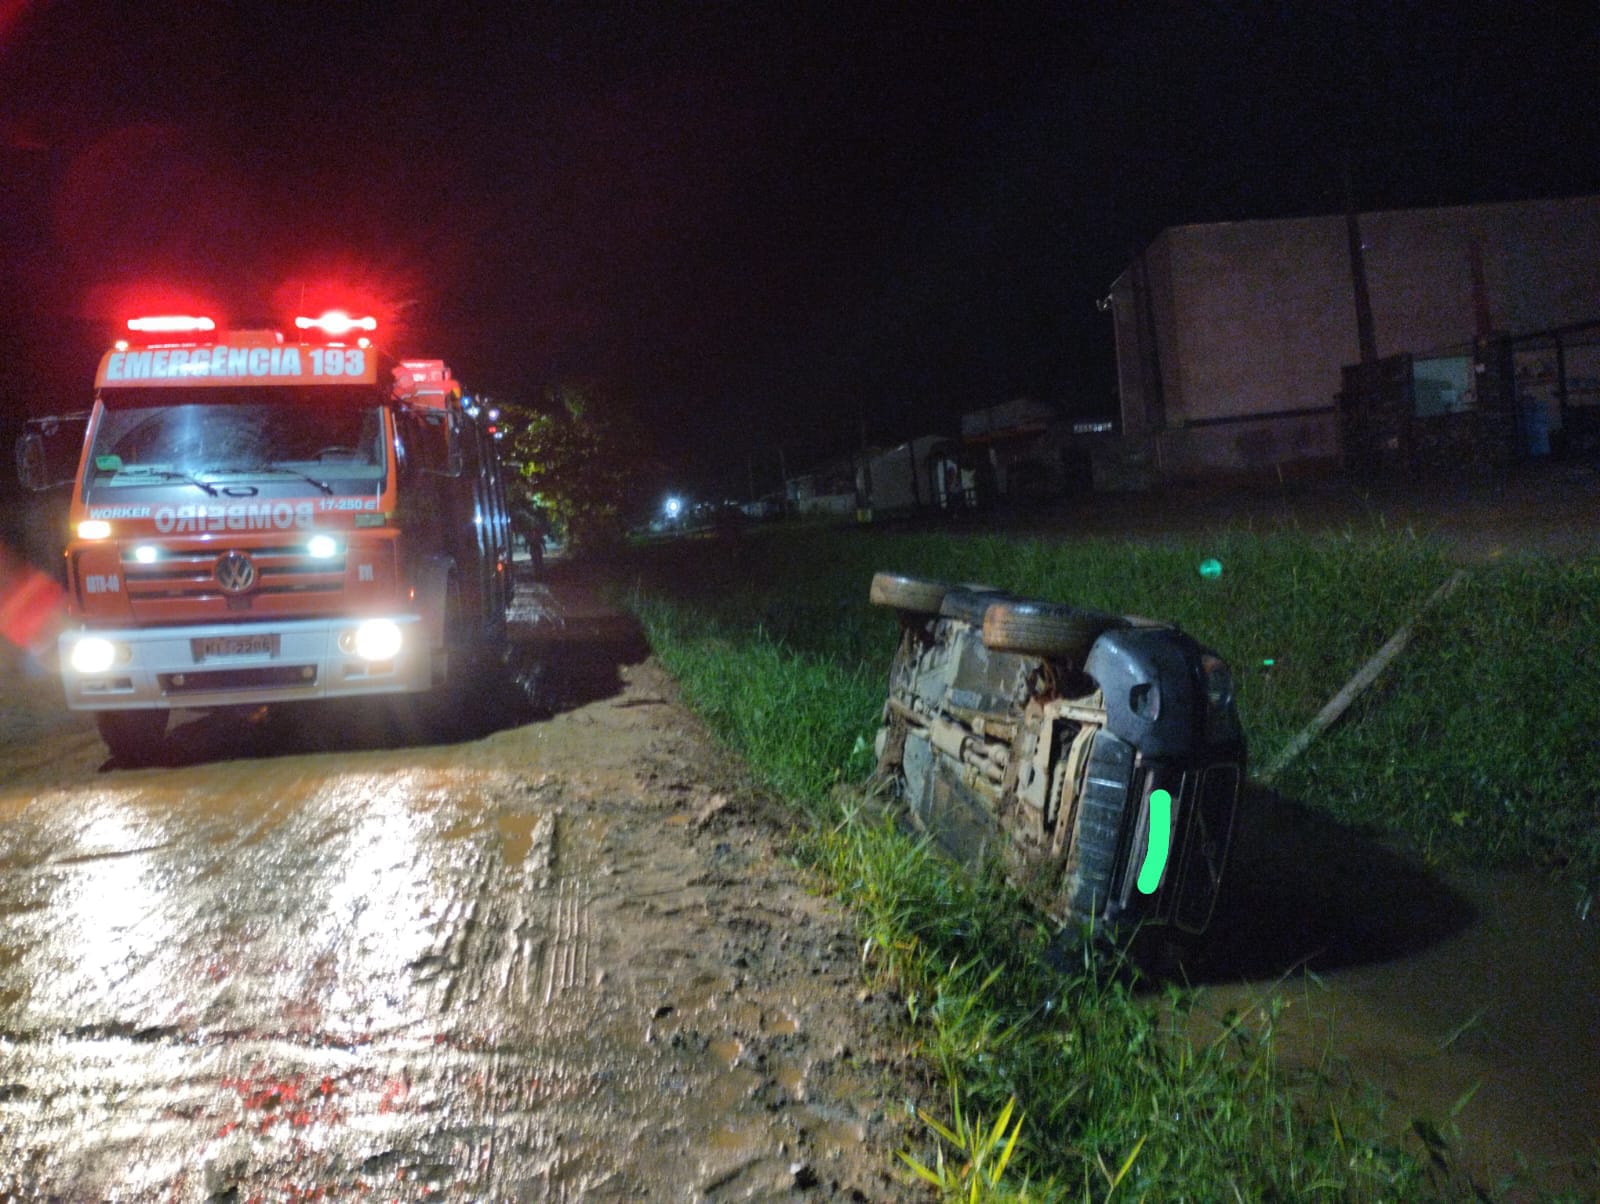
1469, 1002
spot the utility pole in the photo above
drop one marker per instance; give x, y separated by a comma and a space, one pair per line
864, 471
1366, 334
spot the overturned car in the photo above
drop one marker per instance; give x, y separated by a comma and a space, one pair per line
1099, 756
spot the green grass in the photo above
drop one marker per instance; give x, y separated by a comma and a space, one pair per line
1477, 744
1115, 1097
1093, 1074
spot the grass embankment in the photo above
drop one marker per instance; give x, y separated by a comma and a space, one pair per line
1477, 744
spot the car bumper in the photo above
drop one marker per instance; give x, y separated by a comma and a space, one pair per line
242, 663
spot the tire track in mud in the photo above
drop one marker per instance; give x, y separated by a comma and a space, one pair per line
518, 936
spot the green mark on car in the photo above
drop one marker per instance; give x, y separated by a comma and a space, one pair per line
1155, 857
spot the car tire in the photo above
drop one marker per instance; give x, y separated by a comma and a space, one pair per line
135, 738
912, 595
1048, 629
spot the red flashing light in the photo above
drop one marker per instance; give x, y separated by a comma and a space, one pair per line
170, 324
335, 323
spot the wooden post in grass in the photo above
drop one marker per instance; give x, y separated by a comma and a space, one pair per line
1364, 677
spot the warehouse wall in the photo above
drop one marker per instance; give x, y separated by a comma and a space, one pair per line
1245, 320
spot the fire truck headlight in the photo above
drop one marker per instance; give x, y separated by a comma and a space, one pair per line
92, 655
377, 640
94, 528
322, 547
145, 553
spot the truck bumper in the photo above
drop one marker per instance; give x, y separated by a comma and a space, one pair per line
243, 663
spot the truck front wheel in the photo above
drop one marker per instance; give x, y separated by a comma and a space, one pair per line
438, 713
135, 738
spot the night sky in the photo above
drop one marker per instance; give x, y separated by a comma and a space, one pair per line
745, 224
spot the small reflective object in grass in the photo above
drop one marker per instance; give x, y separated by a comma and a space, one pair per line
1210, 567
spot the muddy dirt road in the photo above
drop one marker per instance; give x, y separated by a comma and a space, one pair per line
308, 960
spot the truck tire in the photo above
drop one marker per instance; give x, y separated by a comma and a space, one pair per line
135, 738
459, 637
437, 715
1048, 629
913, 595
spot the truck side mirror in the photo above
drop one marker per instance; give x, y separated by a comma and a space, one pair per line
455, 463
31, 470
38, 469
47, 451
432, 447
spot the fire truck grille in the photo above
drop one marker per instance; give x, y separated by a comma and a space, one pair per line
192, 574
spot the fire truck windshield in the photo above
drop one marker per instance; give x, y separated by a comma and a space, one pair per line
216, 437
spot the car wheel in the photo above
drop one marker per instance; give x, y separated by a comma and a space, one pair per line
135, 738
914, 595
1048, 629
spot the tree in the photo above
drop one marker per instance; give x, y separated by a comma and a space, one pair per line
570, 467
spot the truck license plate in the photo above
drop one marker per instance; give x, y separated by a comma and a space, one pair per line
220, 646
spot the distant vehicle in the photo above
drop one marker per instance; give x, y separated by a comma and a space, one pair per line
260, 519
1100, 757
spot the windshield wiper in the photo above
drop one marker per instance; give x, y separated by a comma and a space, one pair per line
166, 474
247, 469
322, 485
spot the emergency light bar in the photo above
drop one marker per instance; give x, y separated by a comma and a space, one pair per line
336, 322
170, 324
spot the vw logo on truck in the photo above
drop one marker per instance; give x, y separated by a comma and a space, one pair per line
235, 572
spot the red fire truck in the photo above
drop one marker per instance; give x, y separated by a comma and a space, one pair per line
262, 519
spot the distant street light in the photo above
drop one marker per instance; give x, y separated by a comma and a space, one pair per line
673, 508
